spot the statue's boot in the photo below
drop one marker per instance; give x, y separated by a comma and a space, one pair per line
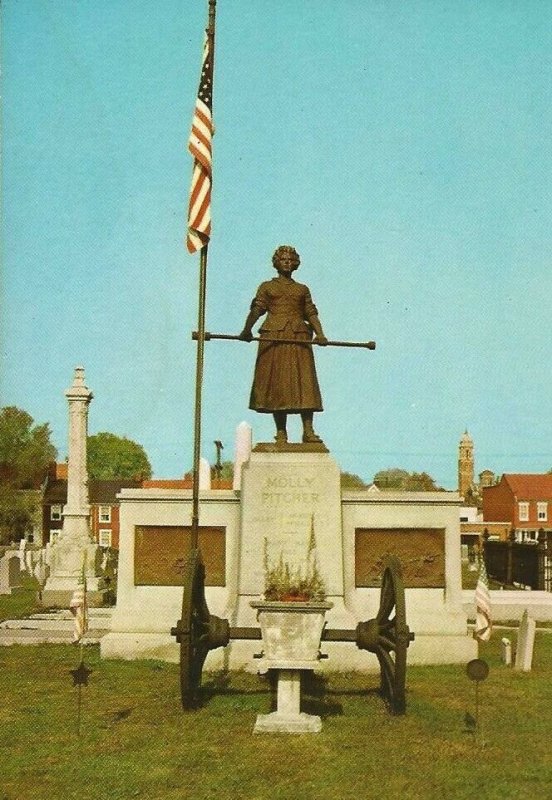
281, 437
309, 436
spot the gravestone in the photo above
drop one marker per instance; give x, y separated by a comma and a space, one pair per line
41, 569
10, 573
21, 552
506, 652
525, 643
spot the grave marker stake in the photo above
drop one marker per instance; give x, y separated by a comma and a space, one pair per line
477, 670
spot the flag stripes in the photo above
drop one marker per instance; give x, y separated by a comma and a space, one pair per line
79, 609
483, 623
200, 146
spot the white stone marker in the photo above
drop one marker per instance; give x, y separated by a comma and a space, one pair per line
506, 652
242, 453
9, 573
526, 642
21, 553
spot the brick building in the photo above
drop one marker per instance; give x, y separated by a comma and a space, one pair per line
104, 507
524, 501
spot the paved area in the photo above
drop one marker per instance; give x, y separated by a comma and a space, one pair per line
54, 627
57, 627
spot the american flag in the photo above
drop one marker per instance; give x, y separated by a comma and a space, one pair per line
199, 145
79, 609
483, 624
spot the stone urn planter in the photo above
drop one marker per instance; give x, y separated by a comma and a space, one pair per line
291, 630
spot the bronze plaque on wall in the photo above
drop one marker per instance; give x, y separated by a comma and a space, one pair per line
421, 552
160, 553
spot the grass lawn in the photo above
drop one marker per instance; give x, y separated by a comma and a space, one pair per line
136, 742
23, 602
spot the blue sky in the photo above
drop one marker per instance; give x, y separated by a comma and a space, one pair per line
402, 147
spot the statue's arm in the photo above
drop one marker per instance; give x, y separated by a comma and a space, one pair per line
319, 336
311, 315
255, 313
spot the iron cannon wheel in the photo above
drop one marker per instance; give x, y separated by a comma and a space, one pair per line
394, 636
193, 630
388, 636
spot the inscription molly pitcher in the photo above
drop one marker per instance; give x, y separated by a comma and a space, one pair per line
280, 490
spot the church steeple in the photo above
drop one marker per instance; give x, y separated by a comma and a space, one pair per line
465, 465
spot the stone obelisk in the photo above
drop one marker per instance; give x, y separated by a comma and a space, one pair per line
74, 549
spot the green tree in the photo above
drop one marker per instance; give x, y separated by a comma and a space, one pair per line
25, 449
25, 454
391, 478
18, 509
405, 481
351, 481
116, 457
226, 471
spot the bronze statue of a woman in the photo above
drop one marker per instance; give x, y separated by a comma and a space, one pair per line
285, 379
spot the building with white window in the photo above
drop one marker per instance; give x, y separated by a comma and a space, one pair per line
524, 501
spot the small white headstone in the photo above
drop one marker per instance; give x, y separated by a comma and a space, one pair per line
525, 643
21, 554
244, 438
506, 652
9, 574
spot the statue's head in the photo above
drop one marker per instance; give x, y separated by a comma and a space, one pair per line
289, 253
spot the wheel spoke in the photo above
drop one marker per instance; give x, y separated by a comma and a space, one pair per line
387, 596
387, 674
387, 643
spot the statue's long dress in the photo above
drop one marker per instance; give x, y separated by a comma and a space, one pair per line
285, 375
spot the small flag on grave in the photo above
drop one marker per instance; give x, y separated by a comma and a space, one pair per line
79, 608
483, 623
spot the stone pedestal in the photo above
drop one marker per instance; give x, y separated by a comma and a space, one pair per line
285, 495
288, 717
67, 557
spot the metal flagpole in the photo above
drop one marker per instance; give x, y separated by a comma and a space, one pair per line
198, 387
201, 329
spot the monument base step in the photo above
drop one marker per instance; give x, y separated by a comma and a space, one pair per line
60, 598
287, 723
